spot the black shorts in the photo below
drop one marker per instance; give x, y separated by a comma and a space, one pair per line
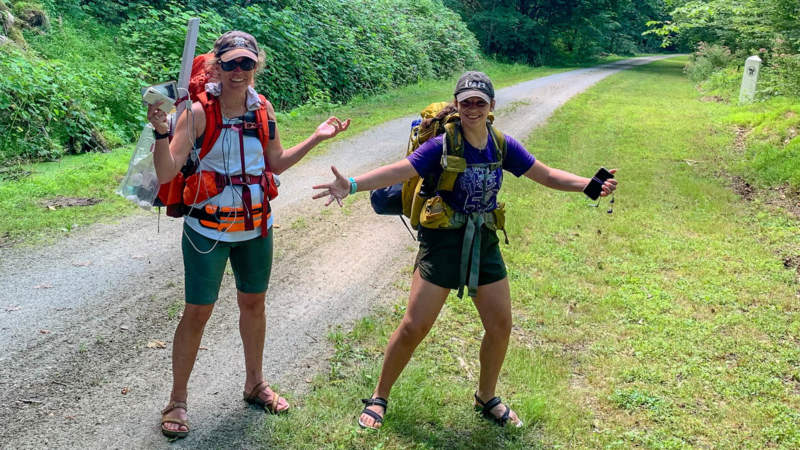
439, 257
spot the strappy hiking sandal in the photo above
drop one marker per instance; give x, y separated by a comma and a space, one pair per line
271, 407
380, 401
164, 419
486, 410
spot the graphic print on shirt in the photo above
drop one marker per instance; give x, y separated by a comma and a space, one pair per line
480, 186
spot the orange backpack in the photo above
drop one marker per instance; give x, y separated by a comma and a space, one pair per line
188, 187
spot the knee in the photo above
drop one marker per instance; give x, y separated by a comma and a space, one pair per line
251, 303
499, 327
413, 331
196, 315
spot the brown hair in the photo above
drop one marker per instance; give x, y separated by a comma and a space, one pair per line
446, 111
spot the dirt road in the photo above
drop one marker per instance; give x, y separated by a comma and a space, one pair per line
78, 318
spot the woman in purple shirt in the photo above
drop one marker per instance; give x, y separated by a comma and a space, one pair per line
445, 254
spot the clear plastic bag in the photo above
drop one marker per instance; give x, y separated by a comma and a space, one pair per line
140, 185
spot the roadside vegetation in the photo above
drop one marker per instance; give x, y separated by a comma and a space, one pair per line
670, 323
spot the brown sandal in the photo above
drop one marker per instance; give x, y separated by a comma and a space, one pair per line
253, 398
164, 419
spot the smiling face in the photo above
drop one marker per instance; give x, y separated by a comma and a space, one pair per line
474, 111
237, 77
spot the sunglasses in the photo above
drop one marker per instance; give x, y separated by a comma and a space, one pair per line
245, 64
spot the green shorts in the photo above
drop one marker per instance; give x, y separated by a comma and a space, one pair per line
251, 262
439, 257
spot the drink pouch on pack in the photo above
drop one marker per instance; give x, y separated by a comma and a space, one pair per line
455, 166
435, 214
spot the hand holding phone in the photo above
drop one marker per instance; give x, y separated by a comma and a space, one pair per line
595, 186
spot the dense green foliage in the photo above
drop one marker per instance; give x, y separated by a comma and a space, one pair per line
736, 24
546, 31
724, 33
80, 80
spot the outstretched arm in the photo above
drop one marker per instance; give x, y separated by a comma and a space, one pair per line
281, 159
565, 181
377, 178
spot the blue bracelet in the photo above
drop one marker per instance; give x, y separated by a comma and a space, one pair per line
353, 186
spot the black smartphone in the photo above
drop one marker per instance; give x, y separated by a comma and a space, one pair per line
595, 186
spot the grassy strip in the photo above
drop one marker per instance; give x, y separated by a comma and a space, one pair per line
671, 323
27, 187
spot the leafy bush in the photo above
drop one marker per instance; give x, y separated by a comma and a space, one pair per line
39, 117
781, 72
706, 60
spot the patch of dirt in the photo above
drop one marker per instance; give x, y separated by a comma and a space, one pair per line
786, 198
792, 262
739, 143
791, 133
66, 202
742, 187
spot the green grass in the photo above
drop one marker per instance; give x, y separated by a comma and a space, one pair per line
671, 323
25, 188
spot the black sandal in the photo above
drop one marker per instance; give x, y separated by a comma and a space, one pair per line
486, 411
380, 401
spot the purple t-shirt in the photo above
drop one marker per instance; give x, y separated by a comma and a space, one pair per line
476, 188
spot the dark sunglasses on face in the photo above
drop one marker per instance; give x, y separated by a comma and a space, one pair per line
476, 104
245, 64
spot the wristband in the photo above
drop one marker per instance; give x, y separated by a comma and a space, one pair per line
353, 186
159, 135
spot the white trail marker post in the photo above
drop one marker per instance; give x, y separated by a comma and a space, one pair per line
749, 79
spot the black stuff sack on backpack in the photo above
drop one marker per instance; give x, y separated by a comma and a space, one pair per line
388, 201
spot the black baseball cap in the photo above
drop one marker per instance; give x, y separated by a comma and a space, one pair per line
236, 44
474, 84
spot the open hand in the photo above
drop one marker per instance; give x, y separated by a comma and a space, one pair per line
337, 190
609, 186
331, 127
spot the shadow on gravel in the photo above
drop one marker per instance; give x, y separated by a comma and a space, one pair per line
240, 429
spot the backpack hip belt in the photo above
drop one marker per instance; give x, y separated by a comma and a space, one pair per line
230, 219
249, 211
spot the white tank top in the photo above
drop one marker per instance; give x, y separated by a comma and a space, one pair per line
224, 158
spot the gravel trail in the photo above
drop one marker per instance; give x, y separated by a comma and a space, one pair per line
76, 317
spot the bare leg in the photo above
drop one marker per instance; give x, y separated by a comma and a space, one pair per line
184, 353
252, 328
424, 303
493, 303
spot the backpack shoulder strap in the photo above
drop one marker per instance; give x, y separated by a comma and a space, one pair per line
213, 121
453, 139
500, 144
265, 132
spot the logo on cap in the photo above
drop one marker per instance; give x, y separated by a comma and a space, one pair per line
476, 84
239, 42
